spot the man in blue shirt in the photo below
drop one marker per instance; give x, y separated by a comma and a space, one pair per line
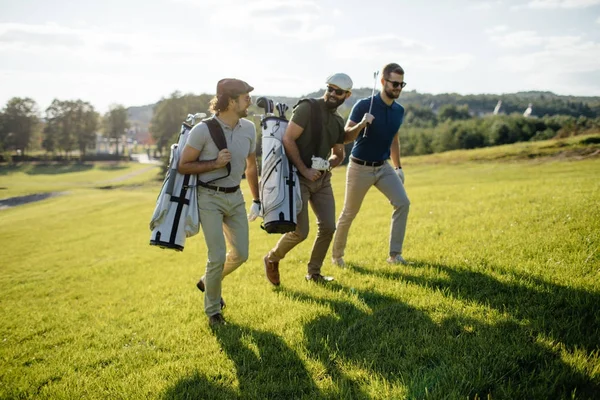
376, 134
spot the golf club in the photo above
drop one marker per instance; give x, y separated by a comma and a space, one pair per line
281, 108
265, 104
372, 95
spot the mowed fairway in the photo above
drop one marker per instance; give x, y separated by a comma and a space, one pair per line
501, 301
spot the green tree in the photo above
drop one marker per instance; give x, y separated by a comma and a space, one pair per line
115, 123
88, 124
169, 113
453, 113
19, 122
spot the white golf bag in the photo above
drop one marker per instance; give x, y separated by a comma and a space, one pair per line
176, 215
279, 185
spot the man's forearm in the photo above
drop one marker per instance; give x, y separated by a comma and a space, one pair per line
197, 167
352, 131
395, 154
293, 154
252, 178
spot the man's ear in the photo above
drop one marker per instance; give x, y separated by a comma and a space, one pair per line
348, 94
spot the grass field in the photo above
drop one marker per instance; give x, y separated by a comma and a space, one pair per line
501, 301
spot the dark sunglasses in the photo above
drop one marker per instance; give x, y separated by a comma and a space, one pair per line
338, 92
396, 84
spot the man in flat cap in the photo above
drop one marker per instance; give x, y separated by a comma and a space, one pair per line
314, 150
221, 204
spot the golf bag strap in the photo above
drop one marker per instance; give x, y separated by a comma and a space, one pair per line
217, 135
316, 119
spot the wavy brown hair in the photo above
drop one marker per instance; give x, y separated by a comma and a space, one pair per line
220, 103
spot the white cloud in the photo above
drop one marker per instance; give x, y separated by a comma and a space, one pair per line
598, 20
554, 4
381, 49
518, 39
299, 20
522, 39
496, 29
556, 60
378, 45
484, 5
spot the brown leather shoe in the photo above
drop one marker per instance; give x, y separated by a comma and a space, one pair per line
272, 271
216, 320
318, 278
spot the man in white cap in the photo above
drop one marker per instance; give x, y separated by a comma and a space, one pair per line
314, 148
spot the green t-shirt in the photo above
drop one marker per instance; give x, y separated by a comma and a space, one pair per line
314, 143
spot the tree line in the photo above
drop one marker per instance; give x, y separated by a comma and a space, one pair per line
433, 123
454, 127
67, 126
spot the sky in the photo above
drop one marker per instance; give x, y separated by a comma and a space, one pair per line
134, 53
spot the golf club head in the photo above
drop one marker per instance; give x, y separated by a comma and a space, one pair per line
271, 108
281, 109
263, 103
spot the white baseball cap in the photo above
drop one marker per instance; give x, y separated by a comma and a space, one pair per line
340, 80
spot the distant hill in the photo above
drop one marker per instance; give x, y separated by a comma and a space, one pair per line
543, 103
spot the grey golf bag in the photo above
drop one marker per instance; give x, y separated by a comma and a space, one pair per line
279, 186
175, 216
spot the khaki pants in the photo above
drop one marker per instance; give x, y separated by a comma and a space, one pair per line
359, 179
222, 215
320, 196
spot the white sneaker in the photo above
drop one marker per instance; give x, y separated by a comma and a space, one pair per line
338, 261
397, 259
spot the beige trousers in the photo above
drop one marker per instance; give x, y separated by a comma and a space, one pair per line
222, 216
359, 179
319, 195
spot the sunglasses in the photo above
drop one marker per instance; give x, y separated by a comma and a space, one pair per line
396, 84
338, 92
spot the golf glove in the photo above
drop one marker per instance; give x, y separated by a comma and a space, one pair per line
254, 210
400, 174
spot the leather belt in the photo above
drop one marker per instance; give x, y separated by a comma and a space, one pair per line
367, 163
219, 188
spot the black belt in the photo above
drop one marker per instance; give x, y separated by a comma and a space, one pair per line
219, 188
367, 163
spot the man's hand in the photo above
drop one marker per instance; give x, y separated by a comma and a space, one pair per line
223, 158
334, 162
311, 174
367, 119
400, 174
254, 210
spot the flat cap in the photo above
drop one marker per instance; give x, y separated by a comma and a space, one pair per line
233, 87
340, 80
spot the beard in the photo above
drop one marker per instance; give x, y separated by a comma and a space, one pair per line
242, 113
392, 94
333, 102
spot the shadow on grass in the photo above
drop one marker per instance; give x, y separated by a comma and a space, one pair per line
112, 166
197, 386
567, 315
266, 368
57, 169
457, 357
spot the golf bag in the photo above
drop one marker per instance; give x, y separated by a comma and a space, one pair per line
279, 186
176, 216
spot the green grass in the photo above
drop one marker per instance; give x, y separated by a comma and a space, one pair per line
501, 301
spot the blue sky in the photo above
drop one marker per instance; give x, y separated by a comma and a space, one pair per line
135, 52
